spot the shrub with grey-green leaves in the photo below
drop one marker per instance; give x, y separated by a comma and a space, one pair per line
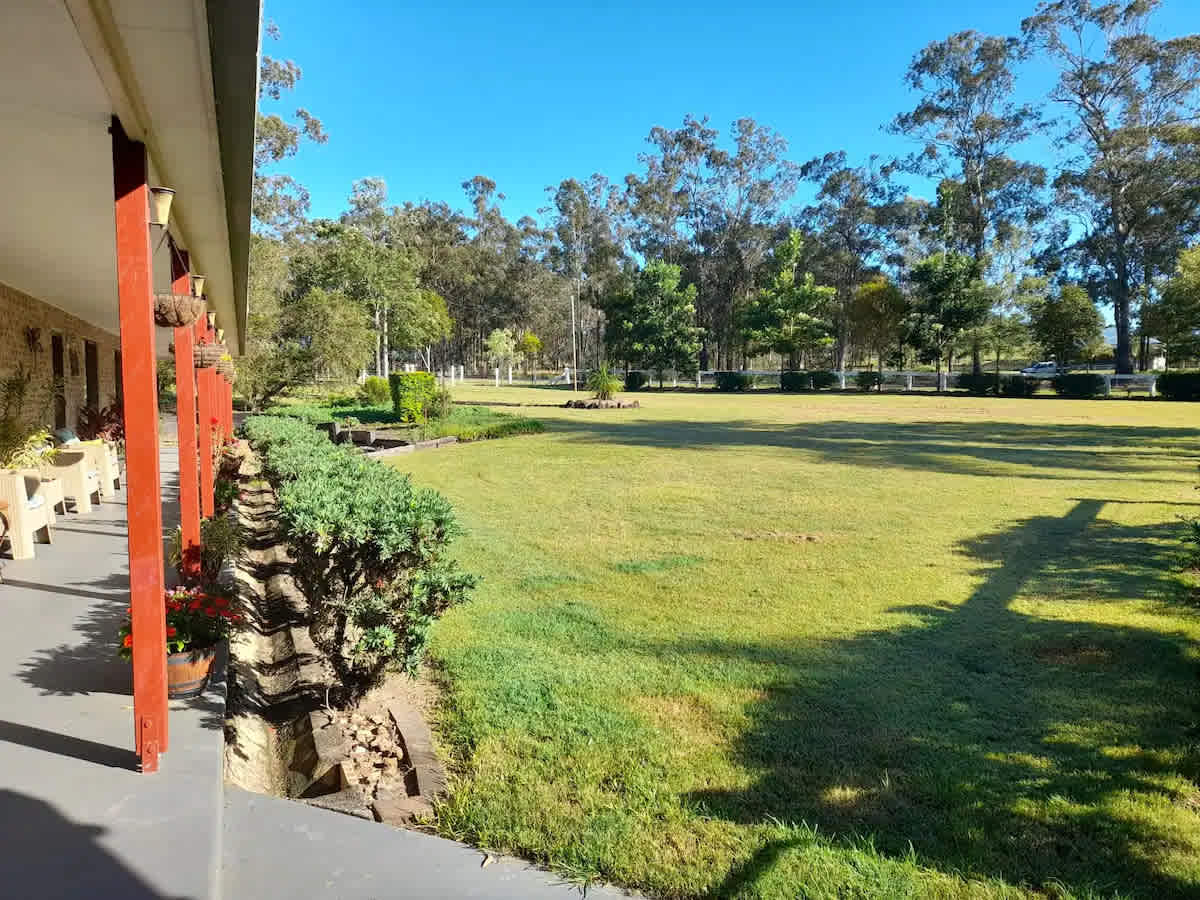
371, 551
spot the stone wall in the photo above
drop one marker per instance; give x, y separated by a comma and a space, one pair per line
18, 312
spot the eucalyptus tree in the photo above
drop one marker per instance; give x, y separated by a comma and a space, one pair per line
856, 211
878, 315
950, 299
969, 126
1131, 111
280, 203
1065, 324
651, 322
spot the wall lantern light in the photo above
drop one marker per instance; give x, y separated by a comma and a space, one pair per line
220, 335
160, 205
197, 285
212, 319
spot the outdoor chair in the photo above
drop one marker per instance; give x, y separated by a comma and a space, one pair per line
27, 516
37, 484
80, 481
102, 456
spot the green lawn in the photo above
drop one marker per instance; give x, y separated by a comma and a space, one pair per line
829, 645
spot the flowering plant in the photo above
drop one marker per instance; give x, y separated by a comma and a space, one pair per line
195, 621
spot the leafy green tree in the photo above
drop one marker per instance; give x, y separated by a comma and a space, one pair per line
878, 315
969, 125
950, 299
788, 316
1004, 334
1174, 318
1066, 325
529, 345
502, 348
650, 323
1130, 140
280, 203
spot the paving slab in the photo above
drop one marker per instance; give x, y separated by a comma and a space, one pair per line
276, 848
77, 819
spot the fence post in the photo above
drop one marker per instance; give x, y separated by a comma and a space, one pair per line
908, 382
1107, 385
1153, 385
841, 381
461, 375
699, 378
510, 374
497, 372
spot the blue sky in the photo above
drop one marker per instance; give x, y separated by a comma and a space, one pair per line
427, 96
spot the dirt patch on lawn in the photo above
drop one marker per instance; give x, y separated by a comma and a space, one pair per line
785, 537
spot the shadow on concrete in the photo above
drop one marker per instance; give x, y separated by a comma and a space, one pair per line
989, 742
65, 745
48, 856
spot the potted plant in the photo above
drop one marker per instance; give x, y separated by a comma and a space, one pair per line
206, 355
197, 622
176, 310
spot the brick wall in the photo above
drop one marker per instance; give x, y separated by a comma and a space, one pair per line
19, 311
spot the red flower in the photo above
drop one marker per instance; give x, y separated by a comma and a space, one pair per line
128, 642
210, 612
128, 609
235, 618
195, 604
221, 602
215, 421
172, 631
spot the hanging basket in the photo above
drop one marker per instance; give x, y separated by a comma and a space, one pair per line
225, 367
205, 356
176, 310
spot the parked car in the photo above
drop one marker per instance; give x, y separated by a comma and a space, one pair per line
1041, 370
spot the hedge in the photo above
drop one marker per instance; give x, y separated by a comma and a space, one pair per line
1079, 385
412, 394
370, 550
1018, 386
795, 381
734, 381
635, 380
823, 379
868, 380
979, 385
1179, 385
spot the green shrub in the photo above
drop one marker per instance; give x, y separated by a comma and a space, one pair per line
1018, 386
603, 383
635, 381
734, 381
376, 391
340, 400
481, 423
440, 404
795, 381
1179, 385
868, 381
1080, 385
823, 380
412, 393
370, 550
979, 385
220, 540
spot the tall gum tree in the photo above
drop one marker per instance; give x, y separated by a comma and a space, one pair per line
1131, 132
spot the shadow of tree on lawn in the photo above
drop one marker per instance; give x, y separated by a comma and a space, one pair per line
993, 742
1075, 452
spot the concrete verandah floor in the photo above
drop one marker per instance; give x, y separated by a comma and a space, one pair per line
78, 820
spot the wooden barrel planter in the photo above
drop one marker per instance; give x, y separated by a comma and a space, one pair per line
188, 672
176, 310
205, 356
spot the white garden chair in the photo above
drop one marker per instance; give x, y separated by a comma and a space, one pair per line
80, 480
29, 515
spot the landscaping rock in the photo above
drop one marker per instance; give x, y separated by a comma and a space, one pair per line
602, 404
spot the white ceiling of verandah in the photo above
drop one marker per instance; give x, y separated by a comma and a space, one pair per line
56, 200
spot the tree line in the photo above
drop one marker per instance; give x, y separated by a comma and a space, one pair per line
701, 257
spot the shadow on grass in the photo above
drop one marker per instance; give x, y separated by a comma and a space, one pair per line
992, 742
972, 448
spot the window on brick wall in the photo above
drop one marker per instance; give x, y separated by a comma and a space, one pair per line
91, 371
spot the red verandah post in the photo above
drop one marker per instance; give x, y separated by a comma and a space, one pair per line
185, 406
207, 412
143, 493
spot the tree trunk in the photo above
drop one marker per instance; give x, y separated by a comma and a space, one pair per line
939, 372
976, 357
387, 351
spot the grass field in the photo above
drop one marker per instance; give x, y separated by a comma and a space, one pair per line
829, 645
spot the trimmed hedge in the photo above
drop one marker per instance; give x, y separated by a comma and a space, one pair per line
635, 381
795, 381
1018, 386
979, 385
412, 394
1179, 385
370, 550
376, 390
1079, 386
823, 379
868, 381
734, 381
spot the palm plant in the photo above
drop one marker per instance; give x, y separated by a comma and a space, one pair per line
603, 382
